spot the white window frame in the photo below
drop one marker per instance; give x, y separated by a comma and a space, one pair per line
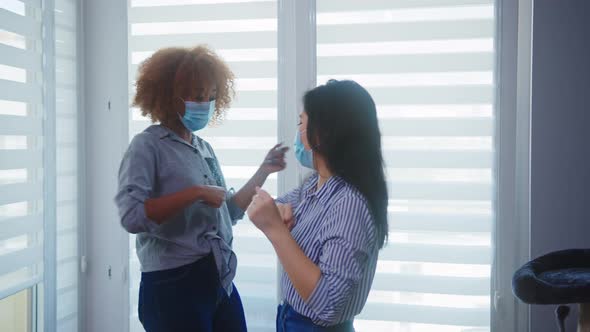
82, 181
512, 108
49, 171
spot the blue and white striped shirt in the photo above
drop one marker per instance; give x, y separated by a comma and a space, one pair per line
335, 229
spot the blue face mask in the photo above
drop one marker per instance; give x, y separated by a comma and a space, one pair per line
304, 156
197, 115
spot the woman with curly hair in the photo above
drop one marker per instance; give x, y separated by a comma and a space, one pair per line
173, 195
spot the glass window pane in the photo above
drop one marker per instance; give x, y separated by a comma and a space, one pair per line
15, 312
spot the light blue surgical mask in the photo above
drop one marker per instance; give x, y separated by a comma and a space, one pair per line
197, 114
304, 156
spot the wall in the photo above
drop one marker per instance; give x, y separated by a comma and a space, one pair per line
106, 116
560, 148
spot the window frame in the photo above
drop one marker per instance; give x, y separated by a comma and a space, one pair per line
512, 111
49, 170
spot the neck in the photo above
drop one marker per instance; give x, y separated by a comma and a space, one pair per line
179, 129
324, 173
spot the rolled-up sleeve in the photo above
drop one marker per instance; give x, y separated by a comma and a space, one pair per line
235, 212
136, 182
347, 241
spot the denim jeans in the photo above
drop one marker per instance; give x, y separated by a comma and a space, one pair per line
288, 320
189, 298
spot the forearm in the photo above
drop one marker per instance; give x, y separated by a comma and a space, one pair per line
244, 196
163, 208
302, 271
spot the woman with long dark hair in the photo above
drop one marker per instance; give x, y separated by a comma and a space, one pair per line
340, 213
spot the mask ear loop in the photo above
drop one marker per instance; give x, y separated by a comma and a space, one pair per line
301, 133
177, 113
183, 103
214, 114
180, 117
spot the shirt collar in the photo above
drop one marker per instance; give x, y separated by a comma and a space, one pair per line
164, 132
326, 191
159, 130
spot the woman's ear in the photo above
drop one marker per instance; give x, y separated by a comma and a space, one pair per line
316, 141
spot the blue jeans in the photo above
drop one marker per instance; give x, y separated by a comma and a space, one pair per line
189, 298
288, 320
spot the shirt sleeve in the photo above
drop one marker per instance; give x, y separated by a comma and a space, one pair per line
347, 242
235, 212
295, 196
137, 175
292, 198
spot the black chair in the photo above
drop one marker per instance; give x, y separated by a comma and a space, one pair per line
558, 278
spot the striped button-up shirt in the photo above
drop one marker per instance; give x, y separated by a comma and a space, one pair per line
335, 229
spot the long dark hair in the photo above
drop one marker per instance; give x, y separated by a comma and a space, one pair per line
342, 127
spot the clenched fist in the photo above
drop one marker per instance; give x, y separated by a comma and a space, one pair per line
264, 213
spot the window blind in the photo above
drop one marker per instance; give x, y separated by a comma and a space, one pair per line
244, 33
21, 146
67, 148
429, 66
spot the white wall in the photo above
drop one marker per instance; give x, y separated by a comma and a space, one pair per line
560, 165
105, 24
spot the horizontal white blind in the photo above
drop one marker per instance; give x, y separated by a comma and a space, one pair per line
21, 146
429, 66
244, 33
67, 200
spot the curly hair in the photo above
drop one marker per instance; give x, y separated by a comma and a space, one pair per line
176, 72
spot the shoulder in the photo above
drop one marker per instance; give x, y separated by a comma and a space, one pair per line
148, 141
350, 206
150, 135
348, 198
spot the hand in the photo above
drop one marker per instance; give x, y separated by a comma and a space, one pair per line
286, 212
212, 195
264, 213
275, 159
